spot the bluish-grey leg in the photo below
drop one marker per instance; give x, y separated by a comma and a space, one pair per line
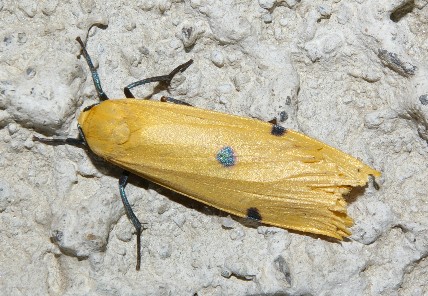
163, 78
174, 101
123, 180
97, 83
81, 141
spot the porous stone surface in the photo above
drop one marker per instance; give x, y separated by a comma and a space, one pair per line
352, 74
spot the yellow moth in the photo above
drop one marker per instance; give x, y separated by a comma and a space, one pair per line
242, 166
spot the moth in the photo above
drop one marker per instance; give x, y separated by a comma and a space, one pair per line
243, 166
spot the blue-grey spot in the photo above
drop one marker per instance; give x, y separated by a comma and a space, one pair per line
226, 156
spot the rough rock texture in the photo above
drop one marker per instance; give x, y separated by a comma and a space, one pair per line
350, 73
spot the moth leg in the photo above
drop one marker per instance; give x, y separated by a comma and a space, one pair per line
80, 141
175, 101
163, 78
123, 180
97, 83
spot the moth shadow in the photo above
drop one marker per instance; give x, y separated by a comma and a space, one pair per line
355, 192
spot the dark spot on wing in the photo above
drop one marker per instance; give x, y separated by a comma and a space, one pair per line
278, 130
254, 214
